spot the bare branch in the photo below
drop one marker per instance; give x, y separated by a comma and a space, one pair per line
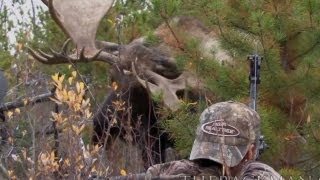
20, 103
3, 171
3, 86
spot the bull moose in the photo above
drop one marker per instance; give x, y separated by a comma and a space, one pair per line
138, 68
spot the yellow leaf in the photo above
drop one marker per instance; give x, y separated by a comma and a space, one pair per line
60, 86
74, 74
24, 153
78, 130
78, 87
59, 95
70, 79
69, 66
24, 132
52, 156
81, 86
71, 96
55, 100
75, 129
55, 77
111, 22
25, 101
192, 103
82, 127
76, 107
61, 78
65, 95
114, 85
67, 162
96, 149
308, 119
88, 113
85, 103
10, 173
17, 110
9, 114
57, 117
123, 172
94, 169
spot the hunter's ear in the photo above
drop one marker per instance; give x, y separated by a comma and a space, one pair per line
251, 153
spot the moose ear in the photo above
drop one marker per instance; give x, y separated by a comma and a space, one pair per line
80, 19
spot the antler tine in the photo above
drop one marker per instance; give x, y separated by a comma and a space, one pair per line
153, 88
37, 56
98, 54
45, 55
81, 55
55, 53
65, 46
63, 57
170, 98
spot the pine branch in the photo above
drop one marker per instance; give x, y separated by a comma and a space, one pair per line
306, 52
180, 46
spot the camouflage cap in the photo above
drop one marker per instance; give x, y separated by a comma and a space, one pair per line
225, 132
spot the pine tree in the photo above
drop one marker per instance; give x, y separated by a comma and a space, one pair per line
286, 33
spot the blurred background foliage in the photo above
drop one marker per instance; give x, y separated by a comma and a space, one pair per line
286, 33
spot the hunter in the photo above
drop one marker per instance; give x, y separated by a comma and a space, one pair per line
225, 147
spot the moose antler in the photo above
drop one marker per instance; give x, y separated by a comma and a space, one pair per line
63, 57
80, 20
168, 87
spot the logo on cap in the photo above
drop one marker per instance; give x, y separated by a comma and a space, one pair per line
219, 128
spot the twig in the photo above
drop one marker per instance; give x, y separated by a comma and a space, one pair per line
30, 101
172, 32
3, 171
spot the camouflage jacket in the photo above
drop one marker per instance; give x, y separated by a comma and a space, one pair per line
176, 170
260, 171
185, 169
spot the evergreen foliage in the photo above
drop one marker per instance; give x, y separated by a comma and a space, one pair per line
286, 33
181, 126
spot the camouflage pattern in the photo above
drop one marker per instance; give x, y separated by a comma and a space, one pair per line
176, 170
256, 170
226, 131
224, 135
184, 169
